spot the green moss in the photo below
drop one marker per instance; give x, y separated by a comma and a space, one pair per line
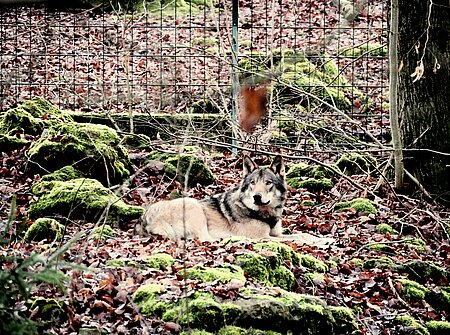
204, 41
352, 163
170, 8
18, 120
136, 141
319, 85
286, 252
160, 261
312, 263
438, 327
378, 262
307, 203
412, 291
288, 124
384, 228
204, 313
298, 73
196, 332
359, 205
148, 292
93, 149
345, 322
245, 43
439, 298
103, 232
267, 266
254, 265
224, 274
417, 244
9, 143
31, 117
315, 277
278, 137
63, 174
233, 330
118, 263
299, 170
44, 228
311, 184
382, 248
357, 262
415, 327
423, 271
284, 313
47, 309
182, 166
369, 49
80, 199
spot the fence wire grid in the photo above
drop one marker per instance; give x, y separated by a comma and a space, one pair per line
326, 61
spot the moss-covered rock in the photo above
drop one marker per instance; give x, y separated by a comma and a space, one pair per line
9, 143
271, 261
411, 290
384, 228
286, 253
233, 330
31, 117
360, 205
439, 298
270, 264
148, 293
136, 141
311, 171
377, 262
224, 273
314, 178
185, 168
44, 228
423, 271
95, 150
352, 163
64, 174
311, 184
286, 313
415, 328
438, 327
80, 199
160, 261
313, 264
103, 232
317, 75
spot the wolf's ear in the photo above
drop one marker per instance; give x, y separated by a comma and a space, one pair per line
278, 166
249, 165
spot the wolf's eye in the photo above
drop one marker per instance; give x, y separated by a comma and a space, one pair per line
269, 182
252, 182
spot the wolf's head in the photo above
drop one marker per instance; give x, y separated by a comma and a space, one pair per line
263, 187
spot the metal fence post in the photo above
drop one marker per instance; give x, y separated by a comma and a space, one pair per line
234, 73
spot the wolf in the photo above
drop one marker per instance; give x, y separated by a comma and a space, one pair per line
253, 210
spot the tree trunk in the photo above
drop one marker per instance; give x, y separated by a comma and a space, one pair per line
424, 38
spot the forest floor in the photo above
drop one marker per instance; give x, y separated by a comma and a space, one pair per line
99, 295
363, 279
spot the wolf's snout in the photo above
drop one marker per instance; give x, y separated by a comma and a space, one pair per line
257, 199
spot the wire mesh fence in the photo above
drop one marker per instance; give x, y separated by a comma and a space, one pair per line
325, 62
